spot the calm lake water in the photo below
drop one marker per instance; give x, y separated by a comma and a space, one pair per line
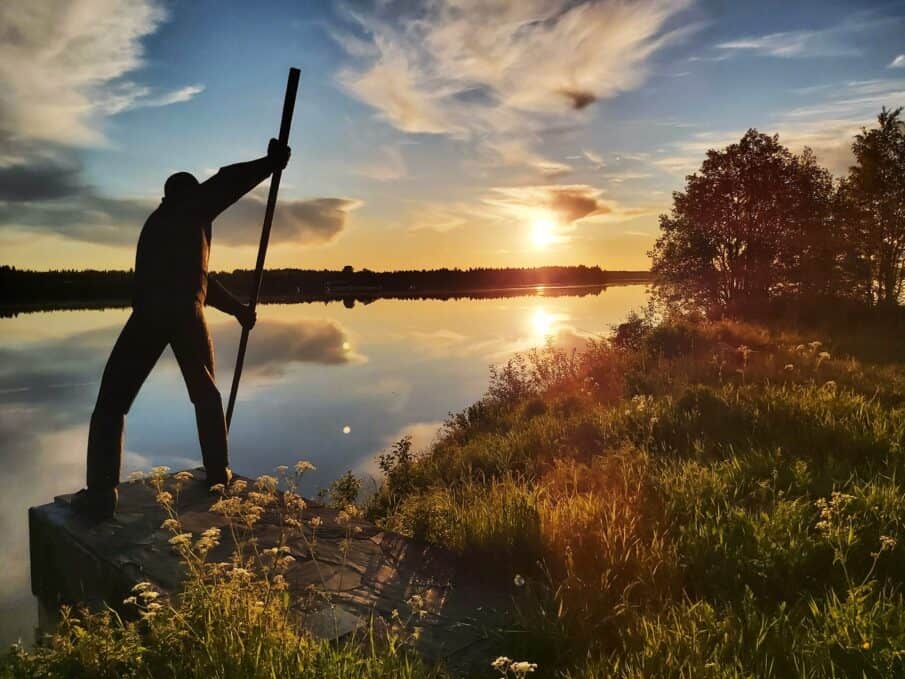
322, 382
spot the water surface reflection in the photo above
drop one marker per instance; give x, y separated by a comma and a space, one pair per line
327, 383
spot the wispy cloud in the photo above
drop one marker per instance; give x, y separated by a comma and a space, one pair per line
63, 71
86, 216
501, 73
826, 126
62, 66
595, 159
389, 166
827, 43
843, 39
898, 62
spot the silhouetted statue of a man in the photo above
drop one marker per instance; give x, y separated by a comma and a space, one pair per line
171, 289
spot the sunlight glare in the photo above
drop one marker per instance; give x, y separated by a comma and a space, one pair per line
543, 232
542, 323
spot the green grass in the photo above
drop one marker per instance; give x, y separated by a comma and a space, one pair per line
696, 500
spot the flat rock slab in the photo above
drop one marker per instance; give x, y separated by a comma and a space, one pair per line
364, 571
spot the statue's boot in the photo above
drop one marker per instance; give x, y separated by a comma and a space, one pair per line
105, 449
212, 436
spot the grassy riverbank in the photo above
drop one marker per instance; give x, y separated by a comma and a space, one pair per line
685, 500
700, 500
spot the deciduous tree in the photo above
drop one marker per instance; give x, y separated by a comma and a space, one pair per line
874, 197
750, 224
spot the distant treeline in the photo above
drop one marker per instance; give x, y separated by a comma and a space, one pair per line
19, 287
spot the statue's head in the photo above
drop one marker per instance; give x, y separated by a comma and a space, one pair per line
180, 185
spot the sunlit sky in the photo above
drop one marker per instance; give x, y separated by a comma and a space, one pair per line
426, 134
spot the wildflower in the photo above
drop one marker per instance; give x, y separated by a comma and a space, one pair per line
240, 572
212, 533
294, 502
257, 606
142, 586
238, 486
154, 606
181, 539
260, 498
303, 466
520, 669
829, 385
149, 595
279, 583
218, 488
170, 524
266, 483
518, 580
501, 664
272, 551
824, 356
815, 345
316, 522
343, 517
228, 507
282, 469
801, 348
160, 471
130, 601
887, 542
184, 476
252, 514
357, 530
866, 645
164, 498
286, 561
789, 367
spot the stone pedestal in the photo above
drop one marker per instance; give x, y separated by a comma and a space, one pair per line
75, 561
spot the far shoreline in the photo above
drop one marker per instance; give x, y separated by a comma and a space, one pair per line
348, 299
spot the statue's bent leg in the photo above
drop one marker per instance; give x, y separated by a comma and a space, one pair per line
191, 342
136, 351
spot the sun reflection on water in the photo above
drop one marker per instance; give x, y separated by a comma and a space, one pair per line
543, 322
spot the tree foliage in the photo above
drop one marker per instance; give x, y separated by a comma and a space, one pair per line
746, 225
757, 222
874, 197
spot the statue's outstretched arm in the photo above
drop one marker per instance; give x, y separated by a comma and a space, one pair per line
221, 298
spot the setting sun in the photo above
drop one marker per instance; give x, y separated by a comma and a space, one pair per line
543, 232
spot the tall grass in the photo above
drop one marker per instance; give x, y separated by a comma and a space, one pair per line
690, 499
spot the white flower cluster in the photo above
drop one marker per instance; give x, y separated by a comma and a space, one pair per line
517, 668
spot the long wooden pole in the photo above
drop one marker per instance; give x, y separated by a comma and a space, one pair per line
288, 107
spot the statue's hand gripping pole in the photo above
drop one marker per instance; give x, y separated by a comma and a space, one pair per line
288, 107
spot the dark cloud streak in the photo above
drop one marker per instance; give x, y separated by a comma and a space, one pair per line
92, 218
39, 181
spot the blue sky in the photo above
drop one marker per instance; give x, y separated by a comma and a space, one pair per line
426, 134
